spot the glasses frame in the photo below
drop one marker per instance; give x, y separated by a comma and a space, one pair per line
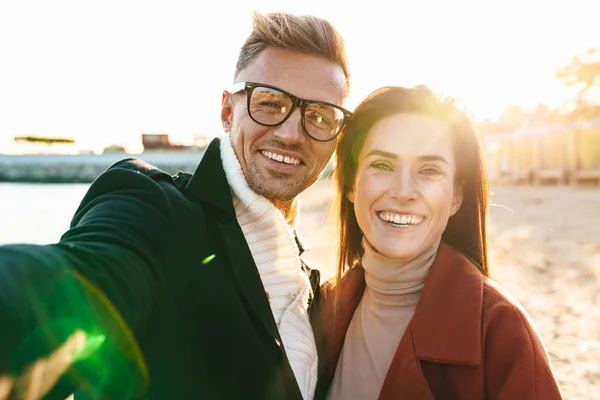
249, 87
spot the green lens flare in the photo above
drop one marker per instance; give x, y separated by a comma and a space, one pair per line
208, 259
77, 323
92, 345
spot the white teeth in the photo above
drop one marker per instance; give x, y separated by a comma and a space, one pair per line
398, 219
280, 158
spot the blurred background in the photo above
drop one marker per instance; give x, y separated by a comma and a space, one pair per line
84, 84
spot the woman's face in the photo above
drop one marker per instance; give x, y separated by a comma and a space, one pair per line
404, 189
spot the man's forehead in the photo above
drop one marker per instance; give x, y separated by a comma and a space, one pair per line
304, 75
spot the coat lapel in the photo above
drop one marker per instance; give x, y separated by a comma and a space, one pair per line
248, 278
447, 321
445, 328
405, 377
209, 185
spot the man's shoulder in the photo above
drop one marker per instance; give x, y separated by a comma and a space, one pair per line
136, 175
136, 165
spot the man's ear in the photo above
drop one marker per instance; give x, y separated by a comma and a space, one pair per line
226, 111
457, 198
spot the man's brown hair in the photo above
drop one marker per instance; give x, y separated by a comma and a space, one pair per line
304, 33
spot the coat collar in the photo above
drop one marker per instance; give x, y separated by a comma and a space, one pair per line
209, 185
209, 182
446, 325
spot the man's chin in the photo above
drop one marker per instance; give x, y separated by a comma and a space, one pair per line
276, 195
275, 189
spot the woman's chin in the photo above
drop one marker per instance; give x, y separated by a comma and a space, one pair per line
401, 251
396, 253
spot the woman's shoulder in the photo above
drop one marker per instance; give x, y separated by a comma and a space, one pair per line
502, 311
495, 294
520, 358
353, 279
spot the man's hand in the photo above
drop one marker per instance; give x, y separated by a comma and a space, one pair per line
42, 375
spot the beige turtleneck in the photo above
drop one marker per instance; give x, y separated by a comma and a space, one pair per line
381, 318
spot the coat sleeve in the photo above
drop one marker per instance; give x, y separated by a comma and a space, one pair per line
517, 364
101, 277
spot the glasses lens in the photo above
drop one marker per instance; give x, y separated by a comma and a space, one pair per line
269, 106
323, 121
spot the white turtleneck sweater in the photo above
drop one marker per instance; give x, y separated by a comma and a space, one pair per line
272, 243
379, 322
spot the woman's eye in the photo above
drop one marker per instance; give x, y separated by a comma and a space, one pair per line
431, 171
380, 165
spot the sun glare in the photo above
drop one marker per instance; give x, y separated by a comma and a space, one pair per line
104, 77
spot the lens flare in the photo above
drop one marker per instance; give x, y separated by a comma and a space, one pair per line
208, 259
91, 345
103, 356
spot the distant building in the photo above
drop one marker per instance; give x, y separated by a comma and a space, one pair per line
114, 148
201, 141
161, 142
156, 141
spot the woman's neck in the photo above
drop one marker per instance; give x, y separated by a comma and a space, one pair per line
393, 283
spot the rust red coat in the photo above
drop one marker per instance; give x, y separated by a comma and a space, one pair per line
467, 339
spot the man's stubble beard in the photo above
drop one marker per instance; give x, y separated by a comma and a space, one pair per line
271, 187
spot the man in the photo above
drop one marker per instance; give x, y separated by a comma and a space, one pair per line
190, 286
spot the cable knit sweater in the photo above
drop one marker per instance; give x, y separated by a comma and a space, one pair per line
276, 254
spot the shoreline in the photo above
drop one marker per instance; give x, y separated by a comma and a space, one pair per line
85, 168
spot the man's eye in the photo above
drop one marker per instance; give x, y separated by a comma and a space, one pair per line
318, 119
271, 104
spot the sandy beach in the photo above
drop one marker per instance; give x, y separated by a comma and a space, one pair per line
544, 245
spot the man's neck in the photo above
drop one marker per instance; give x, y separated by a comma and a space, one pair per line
289, 209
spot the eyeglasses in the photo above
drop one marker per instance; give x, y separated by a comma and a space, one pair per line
270, 106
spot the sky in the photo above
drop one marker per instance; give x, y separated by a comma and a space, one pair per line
103, 72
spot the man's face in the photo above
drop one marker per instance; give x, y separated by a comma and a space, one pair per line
279, 162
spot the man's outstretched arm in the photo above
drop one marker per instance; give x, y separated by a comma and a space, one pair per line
101, 278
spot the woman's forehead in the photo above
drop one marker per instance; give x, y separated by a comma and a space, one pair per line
409, 134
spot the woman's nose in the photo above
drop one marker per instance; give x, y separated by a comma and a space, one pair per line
404, 187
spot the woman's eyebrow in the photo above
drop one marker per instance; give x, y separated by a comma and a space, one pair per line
434, 158
382, 153
387, 154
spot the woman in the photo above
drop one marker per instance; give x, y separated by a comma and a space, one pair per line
416, 316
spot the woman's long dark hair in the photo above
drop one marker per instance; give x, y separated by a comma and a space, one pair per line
466, 229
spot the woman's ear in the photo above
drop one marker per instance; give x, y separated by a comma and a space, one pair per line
457, 198
350, 195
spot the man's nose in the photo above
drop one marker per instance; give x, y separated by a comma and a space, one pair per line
291, 130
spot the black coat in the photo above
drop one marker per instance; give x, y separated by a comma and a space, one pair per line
166, 319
